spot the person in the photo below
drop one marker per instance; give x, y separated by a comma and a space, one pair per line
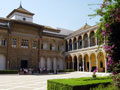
44, 69
20, 71
30, 71
80, 68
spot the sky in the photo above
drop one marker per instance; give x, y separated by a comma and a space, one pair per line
68, 14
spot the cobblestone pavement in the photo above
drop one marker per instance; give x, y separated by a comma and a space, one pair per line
36, 82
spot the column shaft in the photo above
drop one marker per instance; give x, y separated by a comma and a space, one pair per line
83, 65
96, 41
96, 63
105, 65
78, 65
88, 42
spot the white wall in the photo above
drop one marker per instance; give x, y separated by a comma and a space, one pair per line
49, 64
42, 62
2, 62
20, 16
54, 64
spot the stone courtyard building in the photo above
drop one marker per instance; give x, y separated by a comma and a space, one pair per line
25, 44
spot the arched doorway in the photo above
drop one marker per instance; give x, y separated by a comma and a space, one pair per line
101, 62
75, 63
79, 42
68, 60
2, 62
92, 39
75, 44
85, 40
93, 61
86, 62
80, 63
70, 45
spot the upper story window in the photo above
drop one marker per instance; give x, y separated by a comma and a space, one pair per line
52, 47
24, 19
61, 48
45, 46
34, 44
24, 43
2, 42
14, 42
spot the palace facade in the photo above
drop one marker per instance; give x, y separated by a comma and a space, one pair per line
25, 44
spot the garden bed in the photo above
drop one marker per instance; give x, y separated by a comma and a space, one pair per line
8, 71
77, 83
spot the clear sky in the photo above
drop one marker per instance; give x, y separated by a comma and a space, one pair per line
68, 14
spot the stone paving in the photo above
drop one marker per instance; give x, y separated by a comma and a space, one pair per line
37, 82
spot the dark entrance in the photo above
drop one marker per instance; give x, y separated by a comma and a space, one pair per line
24, 64
81, 65
88, 66
75, 63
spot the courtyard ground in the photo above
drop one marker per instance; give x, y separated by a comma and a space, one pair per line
37, 82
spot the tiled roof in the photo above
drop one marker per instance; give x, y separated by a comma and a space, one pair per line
86, 26
21, 10
62, 31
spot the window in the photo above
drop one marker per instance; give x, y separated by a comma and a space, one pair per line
14, 42
45, 46
41, 46
50, 46
24, 19
101, 64
2, 42
24, 43
34, 44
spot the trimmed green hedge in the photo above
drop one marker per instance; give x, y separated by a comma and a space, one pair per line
8, 71
109, 87
77, 83
66, 70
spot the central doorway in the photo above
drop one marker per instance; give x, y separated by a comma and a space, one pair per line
24, 63
75, 63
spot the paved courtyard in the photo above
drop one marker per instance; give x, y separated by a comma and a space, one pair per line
36, 82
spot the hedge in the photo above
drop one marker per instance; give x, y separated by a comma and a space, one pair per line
77, 83
109, 87
8, 71
66, 70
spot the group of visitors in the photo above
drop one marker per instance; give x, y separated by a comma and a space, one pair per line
30, 71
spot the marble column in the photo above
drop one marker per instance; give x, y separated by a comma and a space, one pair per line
89, 64
96, 63
105, 65
78, 64
83, 65
88, 42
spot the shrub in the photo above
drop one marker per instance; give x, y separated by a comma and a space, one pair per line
102, 87
8, 71
69, 70
66, 70
77, 83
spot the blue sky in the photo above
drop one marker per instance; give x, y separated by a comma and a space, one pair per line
68, 14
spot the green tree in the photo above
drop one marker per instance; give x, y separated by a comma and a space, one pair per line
109, 31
